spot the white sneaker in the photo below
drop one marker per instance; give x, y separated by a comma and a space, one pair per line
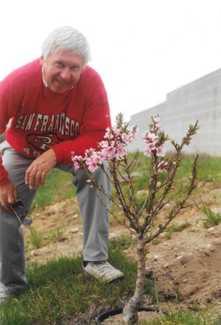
5, 294
103, 271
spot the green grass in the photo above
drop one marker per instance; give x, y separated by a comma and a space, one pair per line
175, 228
208, 171
209, 168
56, 234
123, 242
186, 318
36, 238
213, 219
59, 290
58, 186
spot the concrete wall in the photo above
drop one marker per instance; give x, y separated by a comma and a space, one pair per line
199, 100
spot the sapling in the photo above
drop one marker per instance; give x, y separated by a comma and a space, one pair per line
140, 209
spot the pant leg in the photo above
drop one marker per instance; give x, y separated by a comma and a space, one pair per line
95, 217
12, 253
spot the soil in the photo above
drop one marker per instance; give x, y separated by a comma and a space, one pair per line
186, 266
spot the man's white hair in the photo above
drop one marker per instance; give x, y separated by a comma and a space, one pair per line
66, 38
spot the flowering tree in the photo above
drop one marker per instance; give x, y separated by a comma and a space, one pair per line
140, 211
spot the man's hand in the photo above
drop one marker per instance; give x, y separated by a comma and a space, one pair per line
8, 196
38, 170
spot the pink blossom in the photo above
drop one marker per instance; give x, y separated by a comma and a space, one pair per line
77, 158
77, 166
108, 134
103, 144
93, 159
89, 152
76, 161
149, 137
108, 153
162, 166
156, 119
111, 152
92, 167
160, 151
116, 131
147, 152
152, 146
126, 138
121, 152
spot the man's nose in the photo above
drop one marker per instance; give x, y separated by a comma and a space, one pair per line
65, 74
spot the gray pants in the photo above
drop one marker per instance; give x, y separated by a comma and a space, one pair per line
95, 218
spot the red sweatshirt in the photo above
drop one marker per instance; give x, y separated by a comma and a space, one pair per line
41, 119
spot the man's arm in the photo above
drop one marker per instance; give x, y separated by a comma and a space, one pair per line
35, 176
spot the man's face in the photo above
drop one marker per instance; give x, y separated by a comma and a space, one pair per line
62, 70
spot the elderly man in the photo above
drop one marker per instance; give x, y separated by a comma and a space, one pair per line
53, 106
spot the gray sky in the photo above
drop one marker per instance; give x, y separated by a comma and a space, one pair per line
143, 49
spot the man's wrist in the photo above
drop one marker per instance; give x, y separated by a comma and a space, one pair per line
53, 156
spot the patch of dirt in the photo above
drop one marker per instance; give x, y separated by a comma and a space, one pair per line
186, 267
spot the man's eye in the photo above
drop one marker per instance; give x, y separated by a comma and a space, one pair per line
75, 67
59, 64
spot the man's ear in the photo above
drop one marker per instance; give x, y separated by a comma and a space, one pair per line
83, 68
41, 60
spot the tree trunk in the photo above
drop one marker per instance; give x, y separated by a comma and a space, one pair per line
130, 311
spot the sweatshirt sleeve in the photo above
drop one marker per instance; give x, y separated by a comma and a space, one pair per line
5, 114
95, 120
3, 174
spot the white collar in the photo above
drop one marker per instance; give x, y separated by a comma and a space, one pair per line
45, 83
